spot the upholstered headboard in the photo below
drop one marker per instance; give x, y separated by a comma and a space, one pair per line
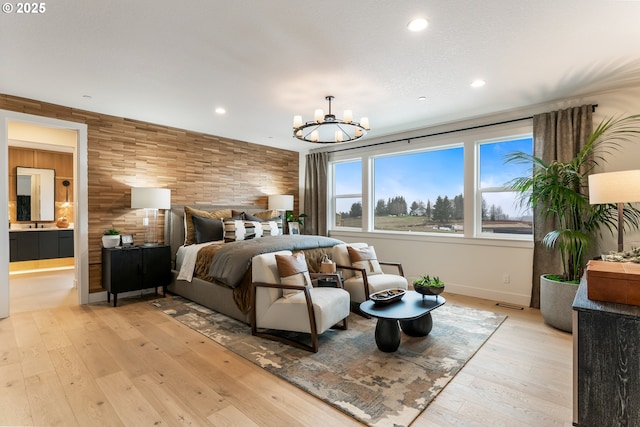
174, 222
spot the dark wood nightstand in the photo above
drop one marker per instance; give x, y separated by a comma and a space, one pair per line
135, 268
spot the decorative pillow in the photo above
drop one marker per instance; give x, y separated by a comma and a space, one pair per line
364, 258
190, 232
234, 229
207, 230
266, 215
271, 228
293, 270
250, 217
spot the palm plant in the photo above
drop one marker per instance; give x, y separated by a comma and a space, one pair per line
559, 191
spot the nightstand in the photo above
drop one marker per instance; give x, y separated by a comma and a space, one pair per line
135, 268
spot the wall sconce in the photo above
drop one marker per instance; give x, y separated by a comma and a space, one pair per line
615, 187
150, 199
66, 185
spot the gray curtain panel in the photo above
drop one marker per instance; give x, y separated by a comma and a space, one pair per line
315, 194
557, 135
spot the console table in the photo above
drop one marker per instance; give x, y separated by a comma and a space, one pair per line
606, 362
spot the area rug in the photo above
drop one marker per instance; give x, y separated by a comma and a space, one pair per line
349, 372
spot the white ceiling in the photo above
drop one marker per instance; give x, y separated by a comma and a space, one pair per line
173, 63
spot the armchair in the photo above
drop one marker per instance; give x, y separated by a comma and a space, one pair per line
360, 282
310, 310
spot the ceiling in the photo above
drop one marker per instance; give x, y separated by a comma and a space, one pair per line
174, 63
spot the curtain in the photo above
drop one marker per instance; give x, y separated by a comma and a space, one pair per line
557, 135
315, 193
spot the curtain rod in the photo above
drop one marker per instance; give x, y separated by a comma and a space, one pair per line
593, 109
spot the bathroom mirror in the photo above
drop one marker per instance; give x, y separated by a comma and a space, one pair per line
35, 194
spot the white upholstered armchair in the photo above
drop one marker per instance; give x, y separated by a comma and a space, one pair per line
362, 273
282, 299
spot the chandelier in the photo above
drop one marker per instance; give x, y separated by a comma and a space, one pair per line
328, 129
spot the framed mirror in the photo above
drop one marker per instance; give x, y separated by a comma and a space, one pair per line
35, 194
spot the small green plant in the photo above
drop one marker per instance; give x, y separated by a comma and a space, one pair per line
429, 282
299, 219
111, 232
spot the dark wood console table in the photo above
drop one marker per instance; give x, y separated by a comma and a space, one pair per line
606, 362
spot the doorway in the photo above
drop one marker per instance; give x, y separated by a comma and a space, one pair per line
14, 127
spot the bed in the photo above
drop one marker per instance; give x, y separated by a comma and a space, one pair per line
226, 290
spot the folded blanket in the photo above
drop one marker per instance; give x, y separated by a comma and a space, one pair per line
233, 260
189, 261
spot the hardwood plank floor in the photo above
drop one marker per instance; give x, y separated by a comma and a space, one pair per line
132, 365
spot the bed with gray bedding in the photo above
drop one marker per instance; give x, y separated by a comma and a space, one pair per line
224, 285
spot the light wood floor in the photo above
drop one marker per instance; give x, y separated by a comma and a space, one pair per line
132, 365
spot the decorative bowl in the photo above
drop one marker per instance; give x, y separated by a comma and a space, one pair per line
429, 290
387, 296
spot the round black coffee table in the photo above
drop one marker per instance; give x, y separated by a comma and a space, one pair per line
413, 312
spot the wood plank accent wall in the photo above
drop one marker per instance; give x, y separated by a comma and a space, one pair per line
198, 168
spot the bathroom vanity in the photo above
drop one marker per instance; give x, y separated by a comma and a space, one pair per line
30, 244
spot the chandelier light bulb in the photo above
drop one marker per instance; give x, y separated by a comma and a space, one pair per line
348, 116
297, 122
314, 136
364, 122
318, 116
338, 136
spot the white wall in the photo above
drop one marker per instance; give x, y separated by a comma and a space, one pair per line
475, 267
478, 267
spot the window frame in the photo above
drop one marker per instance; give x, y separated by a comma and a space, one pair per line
468, 139
333, 197
374, 200
479, 191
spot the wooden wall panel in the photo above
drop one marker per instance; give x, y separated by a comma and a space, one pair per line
198, 168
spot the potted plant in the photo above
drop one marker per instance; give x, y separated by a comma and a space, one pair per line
295, 222
427, 285
558, 191
110, 238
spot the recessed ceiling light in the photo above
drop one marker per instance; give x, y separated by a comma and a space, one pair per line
478, 83
422, 98
220, 110
417, 24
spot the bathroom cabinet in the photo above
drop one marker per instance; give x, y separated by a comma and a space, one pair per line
30, 245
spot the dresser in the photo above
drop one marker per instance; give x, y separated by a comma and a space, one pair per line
606, 365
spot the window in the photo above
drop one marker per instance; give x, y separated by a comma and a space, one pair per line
499, 211
444, 185
347, 194
420, 191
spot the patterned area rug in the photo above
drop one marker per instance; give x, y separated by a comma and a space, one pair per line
349, 372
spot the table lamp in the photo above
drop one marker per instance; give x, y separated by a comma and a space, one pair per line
615, 187
281, 203
150, 199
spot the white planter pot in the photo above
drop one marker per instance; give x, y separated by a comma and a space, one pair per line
556, 303
109, 241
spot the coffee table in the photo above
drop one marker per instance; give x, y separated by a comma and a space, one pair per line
412, 312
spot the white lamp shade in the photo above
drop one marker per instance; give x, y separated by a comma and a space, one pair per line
614, 187
281, 202
150, 198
